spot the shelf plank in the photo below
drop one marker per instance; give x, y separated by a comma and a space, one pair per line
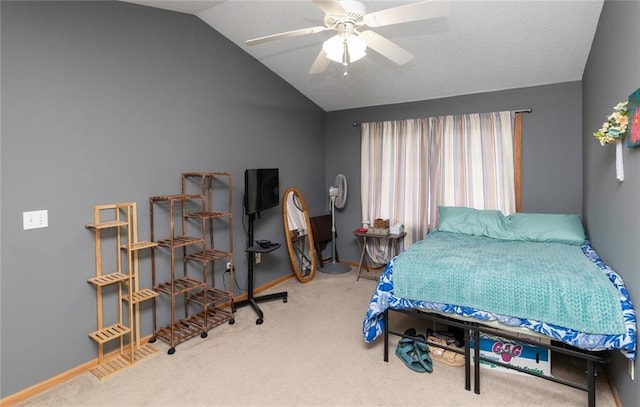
180, 241
194, 325
176, 197
110, 367
180, 285
109, 333
145, 351
139, 245
119, 363
182, 330
107, 279
106, 225
214, 296
142, 295
208, 215
207, 174
208, 255
215, 317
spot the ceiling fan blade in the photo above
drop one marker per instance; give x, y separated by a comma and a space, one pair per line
331, 7
386, 48
411, 12
288, 34
320, 64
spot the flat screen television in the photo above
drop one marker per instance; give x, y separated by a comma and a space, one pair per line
261, 189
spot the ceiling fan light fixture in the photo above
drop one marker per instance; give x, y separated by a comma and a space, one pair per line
345, 49
334, 48
356, 48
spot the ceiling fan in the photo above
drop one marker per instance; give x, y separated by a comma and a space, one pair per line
346, 17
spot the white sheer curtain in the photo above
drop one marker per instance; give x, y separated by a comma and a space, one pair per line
410, 167
394, 178
472, 161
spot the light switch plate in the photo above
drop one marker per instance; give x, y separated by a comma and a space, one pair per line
35, 219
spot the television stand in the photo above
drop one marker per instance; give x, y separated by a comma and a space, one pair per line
253, 300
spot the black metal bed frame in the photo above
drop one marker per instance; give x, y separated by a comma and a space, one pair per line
473, 329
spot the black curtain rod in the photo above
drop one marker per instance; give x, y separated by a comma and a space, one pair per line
529, 110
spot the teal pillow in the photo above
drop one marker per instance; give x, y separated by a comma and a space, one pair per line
475, 222
550, 228
495, 224
457, 219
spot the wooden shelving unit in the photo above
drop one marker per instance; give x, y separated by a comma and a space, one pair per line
116, 225
191, 224
176, 285
215, 218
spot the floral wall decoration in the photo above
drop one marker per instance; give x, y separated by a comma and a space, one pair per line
616, 125
634, 119
612, 131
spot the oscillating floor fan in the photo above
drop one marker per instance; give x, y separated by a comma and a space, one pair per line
338, 198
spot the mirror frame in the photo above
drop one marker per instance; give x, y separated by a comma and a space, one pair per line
289, 238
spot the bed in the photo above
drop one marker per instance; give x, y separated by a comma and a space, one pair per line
535, 272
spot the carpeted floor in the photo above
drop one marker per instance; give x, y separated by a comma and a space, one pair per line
309, 352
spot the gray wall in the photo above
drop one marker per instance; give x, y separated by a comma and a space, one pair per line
551, 147
611, 207
111, 102
106, 102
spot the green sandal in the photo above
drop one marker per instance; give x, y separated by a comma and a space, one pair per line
422, 351
407, 352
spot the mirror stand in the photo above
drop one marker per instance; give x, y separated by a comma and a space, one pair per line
297, 230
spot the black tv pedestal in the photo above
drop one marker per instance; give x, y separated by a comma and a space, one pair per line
254, 300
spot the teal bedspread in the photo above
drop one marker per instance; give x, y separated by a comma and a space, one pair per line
550, 282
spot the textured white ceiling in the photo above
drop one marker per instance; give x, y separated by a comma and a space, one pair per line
483, 45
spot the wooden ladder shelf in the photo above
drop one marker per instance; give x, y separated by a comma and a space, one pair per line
115, 230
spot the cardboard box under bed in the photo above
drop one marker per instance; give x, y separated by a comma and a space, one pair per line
534, 359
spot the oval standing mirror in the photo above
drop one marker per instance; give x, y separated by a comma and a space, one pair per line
297, 227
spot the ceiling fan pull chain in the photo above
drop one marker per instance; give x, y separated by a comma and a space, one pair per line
345, 52
345, 56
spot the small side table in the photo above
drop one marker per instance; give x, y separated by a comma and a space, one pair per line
391, 241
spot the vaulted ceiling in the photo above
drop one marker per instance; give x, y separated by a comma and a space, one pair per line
480, 46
